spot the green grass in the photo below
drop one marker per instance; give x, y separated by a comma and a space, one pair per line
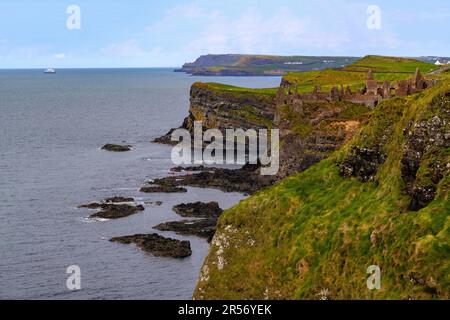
316, 233
354, 75
233, 89
390, 64
326, 79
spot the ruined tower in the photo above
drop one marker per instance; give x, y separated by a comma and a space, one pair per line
418, 80
371, 84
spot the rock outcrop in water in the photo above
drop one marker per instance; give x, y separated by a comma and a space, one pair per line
114, 208
116, 211
116, 147
157, 245
203, 228
163, 188
198, 210
246, 180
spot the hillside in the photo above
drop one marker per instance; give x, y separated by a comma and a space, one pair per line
260, 65
354, 75
390, 64
314, 234
382, 199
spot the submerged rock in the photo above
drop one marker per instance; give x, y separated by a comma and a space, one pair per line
198, 210
247, 179
163, 189
116, 211
155, 203
119, 200
116, 147
158, 245
204, 228
94, 205
103, 204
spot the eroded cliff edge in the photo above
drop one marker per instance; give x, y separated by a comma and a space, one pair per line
383, 200
309, 130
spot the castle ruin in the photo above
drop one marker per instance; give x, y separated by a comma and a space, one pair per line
372, 93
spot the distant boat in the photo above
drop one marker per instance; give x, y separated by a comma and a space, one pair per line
49, 70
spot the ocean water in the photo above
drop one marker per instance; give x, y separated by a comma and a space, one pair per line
51, 131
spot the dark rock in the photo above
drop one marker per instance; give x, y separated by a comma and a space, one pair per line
116, 147
158, 245
155, 203
362, 163
204, 228
421, 196
198, 210
193, 168
117, 211
118, 200
246, 179
424, 164
166, 139
163, 189
94, 205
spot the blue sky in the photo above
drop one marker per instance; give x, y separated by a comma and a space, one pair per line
138, 33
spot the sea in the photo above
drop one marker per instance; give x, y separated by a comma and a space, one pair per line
52, 128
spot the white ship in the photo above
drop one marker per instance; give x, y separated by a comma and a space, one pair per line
49, 70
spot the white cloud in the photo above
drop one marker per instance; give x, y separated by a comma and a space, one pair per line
59, 56
331, 29
128, 48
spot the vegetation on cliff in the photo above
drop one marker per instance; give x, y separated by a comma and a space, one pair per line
354, 75
390, 65
260, 65
383, 199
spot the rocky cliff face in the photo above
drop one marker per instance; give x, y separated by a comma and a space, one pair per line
224, 107
381, 200
311, 130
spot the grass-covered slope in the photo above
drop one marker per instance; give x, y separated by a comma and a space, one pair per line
260, 65
225, 88
354, 75
313, 235
391, 64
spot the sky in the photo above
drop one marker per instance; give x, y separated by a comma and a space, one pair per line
149, 33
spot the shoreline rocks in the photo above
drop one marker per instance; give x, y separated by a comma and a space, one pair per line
198, 210
117, 211
245, 180
113, 208
163, 188
157, 245
116, 147
203, 228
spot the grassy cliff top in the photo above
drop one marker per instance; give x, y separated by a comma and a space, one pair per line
354, 75
233, 89
313, 235
390, 64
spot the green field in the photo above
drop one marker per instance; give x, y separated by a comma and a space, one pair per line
390, 64
354, 75
234, 89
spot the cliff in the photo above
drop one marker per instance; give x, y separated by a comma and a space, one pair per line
221, 107
259, 65
382, 199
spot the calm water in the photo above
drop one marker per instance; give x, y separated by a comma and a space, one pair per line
51, 129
